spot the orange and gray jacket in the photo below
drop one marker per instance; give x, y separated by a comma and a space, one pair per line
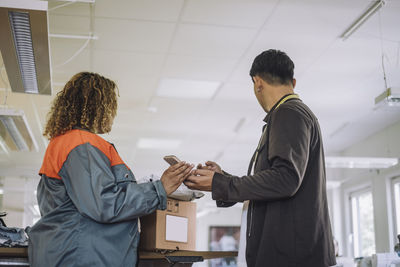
90, 204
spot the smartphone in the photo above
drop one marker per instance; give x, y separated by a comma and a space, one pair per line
171, 159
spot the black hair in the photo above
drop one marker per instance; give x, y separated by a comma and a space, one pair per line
274, 67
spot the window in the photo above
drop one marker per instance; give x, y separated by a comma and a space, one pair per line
396, 205
362, 218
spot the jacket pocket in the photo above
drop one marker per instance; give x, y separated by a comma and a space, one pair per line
122, 174
286, 239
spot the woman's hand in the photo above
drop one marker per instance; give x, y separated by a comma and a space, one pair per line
173, 177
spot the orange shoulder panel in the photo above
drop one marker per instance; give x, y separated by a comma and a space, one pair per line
60, 147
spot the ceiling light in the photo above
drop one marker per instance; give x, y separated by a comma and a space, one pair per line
15, 133
333, 184
375, 6
177, 88
152, 109
25, 45
360, 162
74, 36
155, 143
78, 1
390, 97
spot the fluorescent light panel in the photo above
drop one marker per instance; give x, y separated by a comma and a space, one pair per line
155, 143
15, 133
176, 88
360, 162
363, 18
390, 97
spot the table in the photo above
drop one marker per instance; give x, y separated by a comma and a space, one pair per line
19, 257
180, 258
13, 257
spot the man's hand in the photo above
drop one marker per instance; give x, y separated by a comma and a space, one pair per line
200, 179
173, 177
210, 165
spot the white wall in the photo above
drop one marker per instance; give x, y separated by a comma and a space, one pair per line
216, 217
19, 201
382, 144
335, 213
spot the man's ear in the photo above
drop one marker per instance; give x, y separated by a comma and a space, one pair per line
294, 83
258, 83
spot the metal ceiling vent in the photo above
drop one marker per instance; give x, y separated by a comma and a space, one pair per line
25, 45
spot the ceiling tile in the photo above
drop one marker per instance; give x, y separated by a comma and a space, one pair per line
69, 25
66, 58
303, 49
315, 17
128, 63
70, 9
198, 68
238, 91
134, 36
211, 41
227, 12
157, 10
135, 73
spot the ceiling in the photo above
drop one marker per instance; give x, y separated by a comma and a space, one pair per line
142, 42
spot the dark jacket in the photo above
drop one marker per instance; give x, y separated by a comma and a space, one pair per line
288, 222
90, 203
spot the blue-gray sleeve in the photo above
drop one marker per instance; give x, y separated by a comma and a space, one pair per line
107, 194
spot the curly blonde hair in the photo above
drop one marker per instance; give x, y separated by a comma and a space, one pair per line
88, 101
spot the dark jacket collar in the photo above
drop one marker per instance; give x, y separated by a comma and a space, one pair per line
274, 107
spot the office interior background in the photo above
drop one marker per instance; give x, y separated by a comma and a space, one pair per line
182, 69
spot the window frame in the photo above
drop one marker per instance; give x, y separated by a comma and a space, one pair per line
355, 193
395, 209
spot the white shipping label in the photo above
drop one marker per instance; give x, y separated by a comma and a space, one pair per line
176, 229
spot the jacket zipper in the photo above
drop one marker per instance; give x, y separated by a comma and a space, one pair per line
251, 217
256, 157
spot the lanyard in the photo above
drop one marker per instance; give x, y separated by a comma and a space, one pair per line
292, 96
286, 99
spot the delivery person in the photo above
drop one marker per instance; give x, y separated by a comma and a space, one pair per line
88, 198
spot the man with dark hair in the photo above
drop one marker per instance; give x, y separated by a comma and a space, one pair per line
288, 222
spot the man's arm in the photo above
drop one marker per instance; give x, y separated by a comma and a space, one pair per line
289, 145
213, 166
288, 153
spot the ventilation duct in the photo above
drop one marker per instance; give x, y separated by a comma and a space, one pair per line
25, 46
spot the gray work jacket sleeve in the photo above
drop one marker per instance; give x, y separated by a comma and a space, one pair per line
106, 193
280, 167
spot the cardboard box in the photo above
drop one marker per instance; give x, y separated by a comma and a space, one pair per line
170, 229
